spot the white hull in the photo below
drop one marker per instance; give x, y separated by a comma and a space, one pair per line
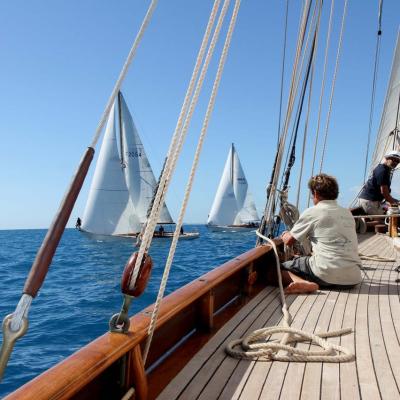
132, 237
231, 228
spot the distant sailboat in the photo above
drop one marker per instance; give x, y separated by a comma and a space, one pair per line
233, 207
123, 184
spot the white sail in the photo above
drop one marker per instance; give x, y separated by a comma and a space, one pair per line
388, 134
138, 173
233, 204
386, 139
122, 187
108, 208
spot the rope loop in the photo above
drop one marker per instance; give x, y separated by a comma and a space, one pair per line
258, 344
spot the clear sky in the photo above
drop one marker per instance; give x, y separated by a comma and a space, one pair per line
60, 60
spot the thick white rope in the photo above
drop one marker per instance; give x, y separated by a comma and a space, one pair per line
321, 96
203, 132
333, 84
270, 206
124, 71
160, 195
258, 345
308, 107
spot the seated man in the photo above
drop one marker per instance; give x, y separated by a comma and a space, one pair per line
331, 230
377, 188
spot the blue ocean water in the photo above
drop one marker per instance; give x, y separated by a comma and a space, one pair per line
82, 288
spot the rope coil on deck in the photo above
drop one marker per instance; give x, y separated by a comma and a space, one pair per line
258, 344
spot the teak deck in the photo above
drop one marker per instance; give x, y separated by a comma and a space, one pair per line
372, 309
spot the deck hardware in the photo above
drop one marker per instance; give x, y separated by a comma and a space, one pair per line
9, 339
120, 322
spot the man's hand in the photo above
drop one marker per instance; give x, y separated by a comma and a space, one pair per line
287, 238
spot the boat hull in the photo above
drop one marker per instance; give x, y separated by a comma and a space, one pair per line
231, 228
133, 236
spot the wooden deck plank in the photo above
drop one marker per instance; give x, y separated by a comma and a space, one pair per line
274, 382
349, 387
217, 382
224, 383
366, 375
247, 315
388, 333
330, 380
295, 371
371, 308
253, 386
311, 388
386, 382
394, 309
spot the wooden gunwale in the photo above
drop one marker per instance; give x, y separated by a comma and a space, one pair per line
69, 378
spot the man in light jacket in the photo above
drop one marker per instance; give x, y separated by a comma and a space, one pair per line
331, 230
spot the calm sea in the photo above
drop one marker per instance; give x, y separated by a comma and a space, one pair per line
82, 288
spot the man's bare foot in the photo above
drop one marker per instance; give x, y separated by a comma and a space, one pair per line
301, 287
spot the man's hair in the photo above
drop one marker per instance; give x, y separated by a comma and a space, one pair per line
325, 186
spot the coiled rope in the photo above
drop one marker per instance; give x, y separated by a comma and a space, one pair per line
258, 345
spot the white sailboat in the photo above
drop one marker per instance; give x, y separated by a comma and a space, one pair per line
123, 184
233, 207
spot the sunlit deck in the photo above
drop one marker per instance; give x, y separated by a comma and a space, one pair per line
372, 309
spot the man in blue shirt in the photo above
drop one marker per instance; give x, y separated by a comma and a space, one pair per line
377, 188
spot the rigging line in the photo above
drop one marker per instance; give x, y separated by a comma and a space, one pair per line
374, 79
270, 203
298, 117
283, 71
148, 232
308, 108
310, 30
192, 105
333, 84
293, 89
291, 161
189, 185
328, 38
124, 71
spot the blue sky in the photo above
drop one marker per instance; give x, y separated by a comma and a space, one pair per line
60, 61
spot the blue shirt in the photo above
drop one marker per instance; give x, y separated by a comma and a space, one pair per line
372, 188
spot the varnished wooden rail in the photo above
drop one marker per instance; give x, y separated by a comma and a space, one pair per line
109, 366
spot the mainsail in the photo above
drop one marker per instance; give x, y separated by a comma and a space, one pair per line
388, 134
122, 186
233, 203
138, 173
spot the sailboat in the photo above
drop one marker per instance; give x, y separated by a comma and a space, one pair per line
187, 359
233, 208
123, 185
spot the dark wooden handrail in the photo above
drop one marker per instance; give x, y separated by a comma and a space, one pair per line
46, 252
